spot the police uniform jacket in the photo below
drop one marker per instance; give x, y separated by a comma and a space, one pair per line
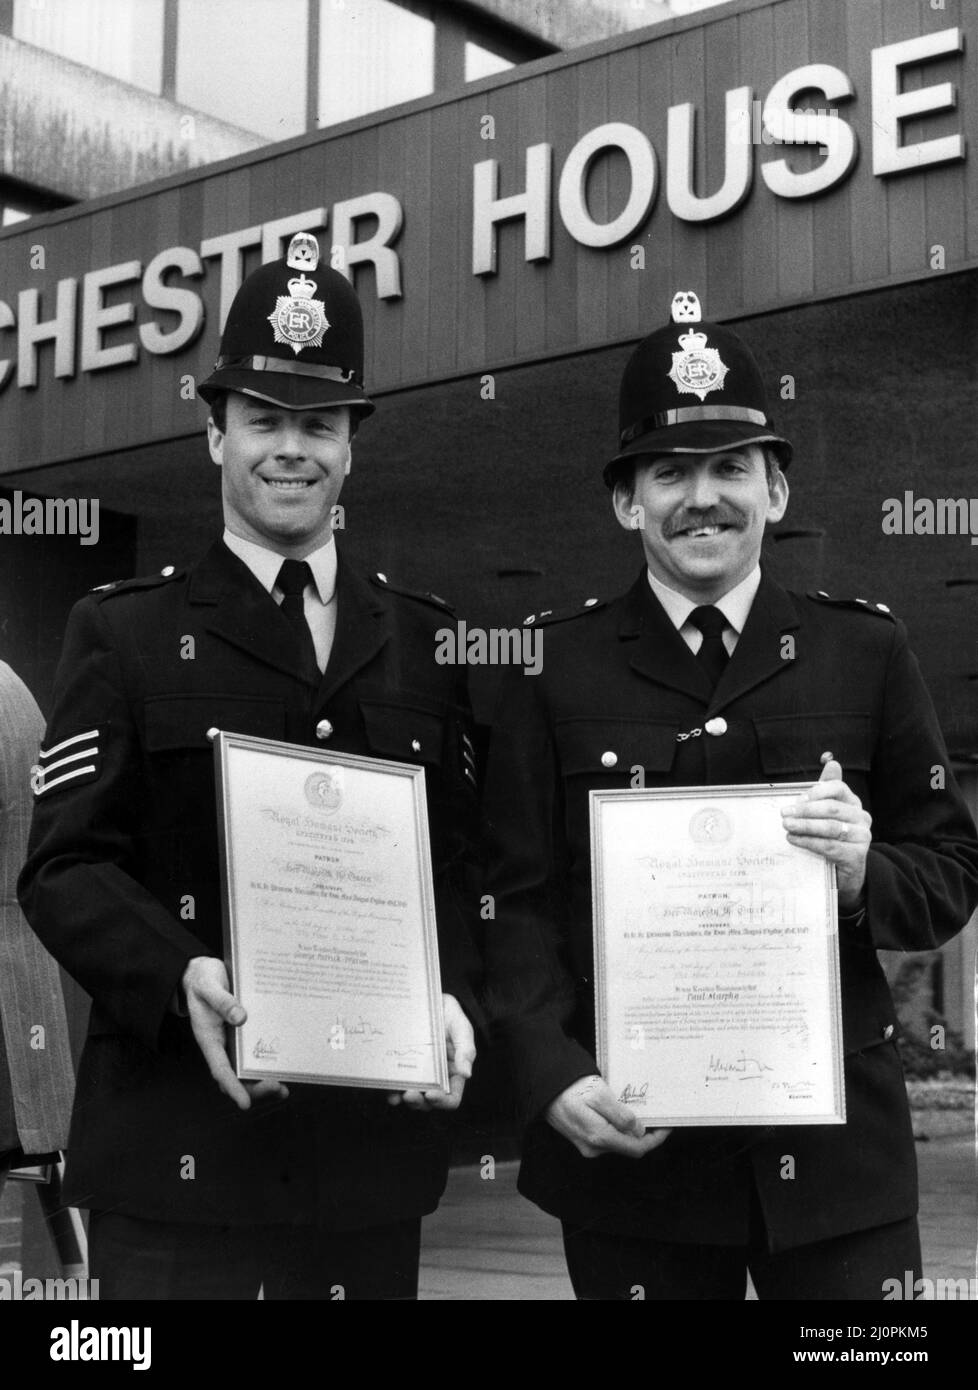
122, 885
617, 678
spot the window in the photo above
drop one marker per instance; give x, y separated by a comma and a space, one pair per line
117, 37
372, 54
245, 63
482, 62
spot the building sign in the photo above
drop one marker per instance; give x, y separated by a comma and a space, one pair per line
553, 211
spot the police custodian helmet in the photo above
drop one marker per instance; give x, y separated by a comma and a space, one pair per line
691, 388
294, 340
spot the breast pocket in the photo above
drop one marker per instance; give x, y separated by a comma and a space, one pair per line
791, 745
180, 722
404, 732
596, 747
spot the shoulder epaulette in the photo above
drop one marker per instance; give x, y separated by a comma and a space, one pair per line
145, 581
380, 581
560, 615
880, 609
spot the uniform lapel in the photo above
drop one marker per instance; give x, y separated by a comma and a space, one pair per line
661, 655
362, 628
242, 612
658, 651
760, 653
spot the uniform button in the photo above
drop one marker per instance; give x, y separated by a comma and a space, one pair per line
527, 622
324, 729
167, 570
382, 577
888, 1032
609, 759
415, 746
212, 734
716, 727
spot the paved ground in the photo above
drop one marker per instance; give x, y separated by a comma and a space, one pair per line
487, 1242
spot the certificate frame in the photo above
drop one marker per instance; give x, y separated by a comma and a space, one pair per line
419, 1063
608, 916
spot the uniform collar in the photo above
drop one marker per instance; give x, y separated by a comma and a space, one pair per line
659, 653
265, 564
735, 604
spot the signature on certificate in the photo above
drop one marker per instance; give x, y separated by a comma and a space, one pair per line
743, 1067
362, 1028
634, 1095
265, 1048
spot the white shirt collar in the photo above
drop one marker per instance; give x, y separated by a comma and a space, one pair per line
735, 604
265, 564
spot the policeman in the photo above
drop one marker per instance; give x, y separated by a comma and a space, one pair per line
195, 1194
708, 671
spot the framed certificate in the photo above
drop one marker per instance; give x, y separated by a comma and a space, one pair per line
329, 918
716, 959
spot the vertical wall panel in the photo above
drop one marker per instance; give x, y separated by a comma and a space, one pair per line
796, 275
563, 285
831, 228
759, 269
867, 202
451, 210
530, 315
592, 283
417, 306
488, 317
689, 268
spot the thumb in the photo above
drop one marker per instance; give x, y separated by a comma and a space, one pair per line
831, 769
222, 1003
624, 1120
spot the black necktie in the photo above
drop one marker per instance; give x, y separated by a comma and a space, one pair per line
293, 578
712, 654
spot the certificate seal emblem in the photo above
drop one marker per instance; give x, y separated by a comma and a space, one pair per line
698, 369
299, 321
710, 826
322, 791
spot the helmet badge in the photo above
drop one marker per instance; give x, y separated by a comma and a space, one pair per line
698, 369
299, 321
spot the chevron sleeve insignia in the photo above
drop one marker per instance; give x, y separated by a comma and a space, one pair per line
71, 762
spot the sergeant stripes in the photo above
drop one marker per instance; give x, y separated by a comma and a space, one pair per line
41, 779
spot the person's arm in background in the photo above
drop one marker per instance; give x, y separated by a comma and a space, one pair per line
35, 1029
